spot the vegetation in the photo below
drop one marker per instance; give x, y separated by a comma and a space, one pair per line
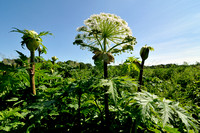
32, 40
100, 31
70, 98
76, 97
144, 53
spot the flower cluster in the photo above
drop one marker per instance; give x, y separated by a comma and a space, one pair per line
105, 34
108, 22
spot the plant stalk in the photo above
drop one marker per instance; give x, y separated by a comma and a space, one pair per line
32, 72
140, 77
106, 98
107, 123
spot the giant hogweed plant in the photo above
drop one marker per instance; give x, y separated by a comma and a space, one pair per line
19, 111
32, 40
105, 34
41, 51
156, 114
60, 104
144, 53
133, 63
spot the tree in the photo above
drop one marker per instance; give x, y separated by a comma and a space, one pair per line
32, 40
105, 34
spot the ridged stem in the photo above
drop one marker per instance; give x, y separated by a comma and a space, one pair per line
32, 72
140, 77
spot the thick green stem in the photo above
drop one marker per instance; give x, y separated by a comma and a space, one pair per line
140, 77
106, 98
32, 73
105, 70
107, 124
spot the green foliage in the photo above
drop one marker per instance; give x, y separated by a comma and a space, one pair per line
70, 93
133, 64
152, 111
22, 56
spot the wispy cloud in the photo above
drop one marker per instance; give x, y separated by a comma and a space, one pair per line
177, 42
180, 27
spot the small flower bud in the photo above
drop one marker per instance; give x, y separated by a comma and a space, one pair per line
144, 53
54, 58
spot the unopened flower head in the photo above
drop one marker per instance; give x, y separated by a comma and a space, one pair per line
33, 32
144, 52
31, 38
54, 58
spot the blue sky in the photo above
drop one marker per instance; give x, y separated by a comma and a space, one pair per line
172, 27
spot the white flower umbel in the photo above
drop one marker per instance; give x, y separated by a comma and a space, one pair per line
107, 33
111, 26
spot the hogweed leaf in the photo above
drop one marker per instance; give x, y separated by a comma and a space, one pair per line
165, 111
